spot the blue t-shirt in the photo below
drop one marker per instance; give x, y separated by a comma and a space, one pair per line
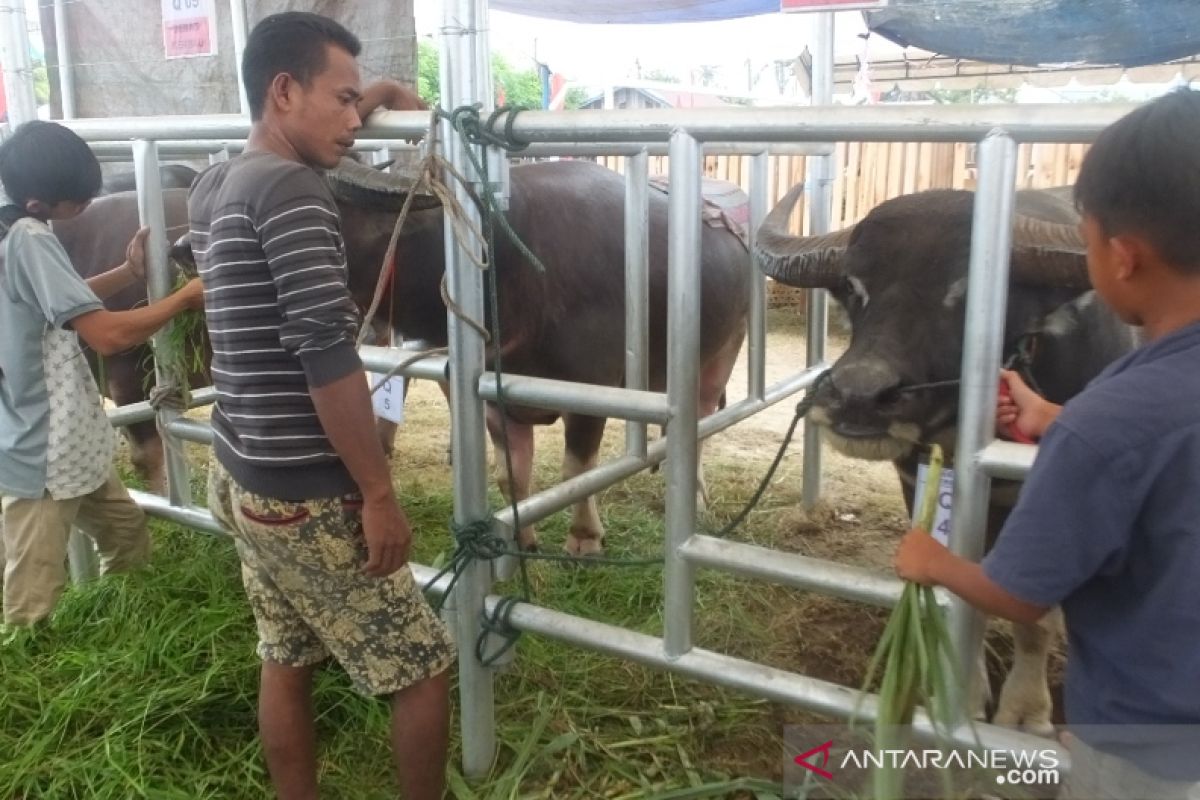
1108, 527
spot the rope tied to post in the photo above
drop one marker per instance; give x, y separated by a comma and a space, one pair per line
169, 396
478, 540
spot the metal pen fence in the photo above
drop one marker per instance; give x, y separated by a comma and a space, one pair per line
684, 550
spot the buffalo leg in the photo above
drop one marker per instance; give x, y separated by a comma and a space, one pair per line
1025, 699
714, 375
979, 691
519, 447
146, 453
127, 377
386, 430
583, 435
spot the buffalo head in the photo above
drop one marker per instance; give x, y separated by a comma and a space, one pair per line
900, 274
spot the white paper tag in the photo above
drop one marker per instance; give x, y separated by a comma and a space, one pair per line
189, 28
388, 401
941, 520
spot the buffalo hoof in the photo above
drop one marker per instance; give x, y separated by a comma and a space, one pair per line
1028, 711
527, 541
1036, 723
584, 545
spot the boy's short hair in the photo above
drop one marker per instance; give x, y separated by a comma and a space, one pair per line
1142, 176
44, 161
292, 42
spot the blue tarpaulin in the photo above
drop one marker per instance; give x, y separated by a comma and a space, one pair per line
1030, 32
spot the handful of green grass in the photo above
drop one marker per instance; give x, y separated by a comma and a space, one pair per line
915, 652
181, 353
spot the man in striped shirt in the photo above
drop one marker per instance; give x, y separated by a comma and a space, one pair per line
299, 477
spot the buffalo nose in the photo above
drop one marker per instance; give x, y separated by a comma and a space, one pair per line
867, 385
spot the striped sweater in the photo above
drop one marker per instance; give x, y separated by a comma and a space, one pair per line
265, 233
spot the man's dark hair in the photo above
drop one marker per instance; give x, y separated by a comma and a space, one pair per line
1142, 176
292, 42
45, 161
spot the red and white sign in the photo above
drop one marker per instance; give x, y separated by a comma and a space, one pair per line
189, 28
804, 6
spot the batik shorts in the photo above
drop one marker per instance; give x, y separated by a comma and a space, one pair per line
302, 569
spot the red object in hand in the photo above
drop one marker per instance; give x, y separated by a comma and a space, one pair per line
1014, 433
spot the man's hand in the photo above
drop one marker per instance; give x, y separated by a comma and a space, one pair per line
389, 95
919, 558
388, 536
135, 254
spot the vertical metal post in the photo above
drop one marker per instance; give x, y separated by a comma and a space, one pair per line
987, 296
381, 156
66, 73
14, 59
237, 18
756, 352
683, 355
820, 196
637, 289
83, 562
461, 57
159, 285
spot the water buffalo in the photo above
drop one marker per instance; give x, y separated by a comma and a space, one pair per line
173, 176
900, 274
567, 324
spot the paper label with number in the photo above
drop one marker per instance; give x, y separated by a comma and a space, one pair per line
388, 400
941, 520
189, 28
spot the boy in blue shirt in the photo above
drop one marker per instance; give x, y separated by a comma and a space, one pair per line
56, 444
1108, 522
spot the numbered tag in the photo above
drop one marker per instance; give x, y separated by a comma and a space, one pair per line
941, 520
189, 28
388, 400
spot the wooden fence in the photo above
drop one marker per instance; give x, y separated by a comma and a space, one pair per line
867, 173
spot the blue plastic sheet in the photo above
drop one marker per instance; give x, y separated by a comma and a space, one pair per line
1030, 32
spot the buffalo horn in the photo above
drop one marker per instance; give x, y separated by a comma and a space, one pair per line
1048, 254
813, 262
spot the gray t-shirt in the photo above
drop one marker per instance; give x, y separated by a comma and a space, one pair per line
1108, 527
39, 293
268, 246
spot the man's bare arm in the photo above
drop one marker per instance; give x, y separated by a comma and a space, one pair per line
344, 408
923, 559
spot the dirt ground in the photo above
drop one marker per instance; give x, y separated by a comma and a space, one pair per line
861, 511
